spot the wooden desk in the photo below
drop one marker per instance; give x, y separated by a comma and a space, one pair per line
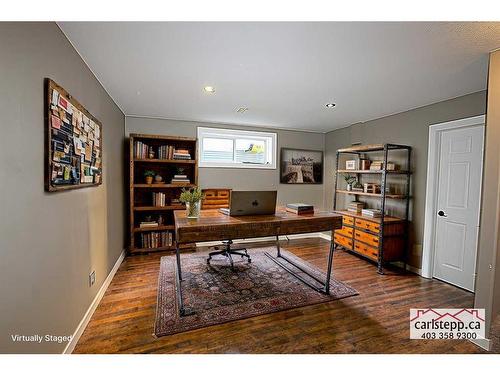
212, 225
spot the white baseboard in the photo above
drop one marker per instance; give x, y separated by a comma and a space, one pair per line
86, 318
264, 239
482, 343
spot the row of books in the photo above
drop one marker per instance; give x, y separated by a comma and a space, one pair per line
141, 150
165, 152
154, 240
159, 199
300, 208
180, 179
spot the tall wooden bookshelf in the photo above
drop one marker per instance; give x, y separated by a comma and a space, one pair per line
142, 204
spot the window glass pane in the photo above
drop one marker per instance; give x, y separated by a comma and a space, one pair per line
218, 149
251, 151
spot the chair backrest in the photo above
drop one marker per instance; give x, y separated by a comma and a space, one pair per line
215, 198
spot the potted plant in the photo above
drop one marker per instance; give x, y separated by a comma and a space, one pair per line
349, 179
149, 176
192, 198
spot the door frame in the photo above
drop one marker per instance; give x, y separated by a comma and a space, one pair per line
431, 192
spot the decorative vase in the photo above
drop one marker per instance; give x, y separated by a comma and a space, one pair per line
149, 180
158, 178
349, 187
193, 209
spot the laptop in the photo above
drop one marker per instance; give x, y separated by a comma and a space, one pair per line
251, 203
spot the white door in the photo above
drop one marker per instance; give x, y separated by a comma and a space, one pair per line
458, 203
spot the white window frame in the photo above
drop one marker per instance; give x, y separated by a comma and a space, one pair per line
233, 134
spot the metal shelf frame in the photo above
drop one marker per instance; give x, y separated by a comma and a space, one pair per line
385, 148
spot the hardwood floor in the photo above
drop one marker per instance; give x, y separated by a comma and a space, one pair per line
375, 321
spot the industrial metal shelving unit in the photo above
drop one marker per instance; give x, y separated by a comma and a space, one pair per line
385, 149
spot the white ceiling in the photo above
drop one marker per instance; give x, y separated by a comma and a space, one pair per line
284, 73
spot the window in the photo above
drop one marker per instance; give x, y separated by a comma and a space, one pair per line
236, 148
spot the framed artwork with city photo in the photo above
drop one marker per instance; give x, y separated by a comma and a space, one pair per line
298, 166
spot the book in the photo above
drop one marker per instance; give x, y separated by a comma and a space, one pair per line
300, 206
148, 224
371, 212
302, 212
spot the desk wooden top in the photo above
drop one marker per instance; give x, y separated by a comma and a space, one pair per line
213, 225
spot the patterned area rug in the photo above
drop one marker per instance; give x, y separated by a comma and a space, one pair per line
218, 294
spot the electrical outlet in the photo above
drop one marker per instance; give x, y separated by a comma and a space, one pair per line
92, 278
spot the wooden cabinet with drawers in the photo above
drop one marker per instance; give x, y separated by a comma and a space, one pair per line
361, 235
215, 198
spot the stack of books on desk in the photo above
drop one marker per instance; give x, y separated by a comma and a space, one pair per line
300, 208
355, 207
180, 179
182, 154
371, 212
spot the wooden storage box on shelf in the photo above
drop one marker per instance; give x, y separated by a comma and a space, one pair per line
360, 234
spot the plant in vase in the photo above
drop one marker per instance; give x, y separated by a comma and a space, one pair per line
349, 179
148, 175
192, 198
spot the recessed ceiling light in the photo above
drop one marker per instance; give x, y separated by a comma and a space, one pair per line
330, 105
209, 89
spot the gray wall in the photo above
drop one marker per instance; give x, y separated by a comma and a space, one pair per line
410, 128
242, 179
488, 263
49, 243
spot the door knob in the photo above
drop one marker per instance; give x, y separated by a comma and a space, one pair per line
442, 214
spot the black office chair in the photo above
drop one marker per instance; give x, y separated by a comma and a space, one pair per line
227, 251
215, 199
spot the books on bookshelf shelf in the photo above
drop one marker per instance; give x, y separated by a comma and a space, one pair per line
181, 154
154, 240
371, 212
141, 150
159, 199
355, 207
148, 224
180, 179
164, 152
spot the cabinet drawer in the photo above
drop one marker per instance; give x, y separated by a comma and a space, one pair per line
368, 225
367, 238
348, 220
345, 231
366, 250
343, 241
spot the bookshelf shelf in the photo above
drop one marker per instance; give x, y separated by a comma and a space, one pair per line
359, 171
392, 196
152, 229
154, 154
163, 186
158, 208
165, 161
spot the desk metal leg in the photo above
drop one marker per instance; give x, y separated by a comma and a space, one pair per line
330, 264
324, 284
183, 311
278, 245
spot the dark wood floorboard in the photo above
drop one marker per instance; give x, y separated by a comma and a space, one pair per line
375, 321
